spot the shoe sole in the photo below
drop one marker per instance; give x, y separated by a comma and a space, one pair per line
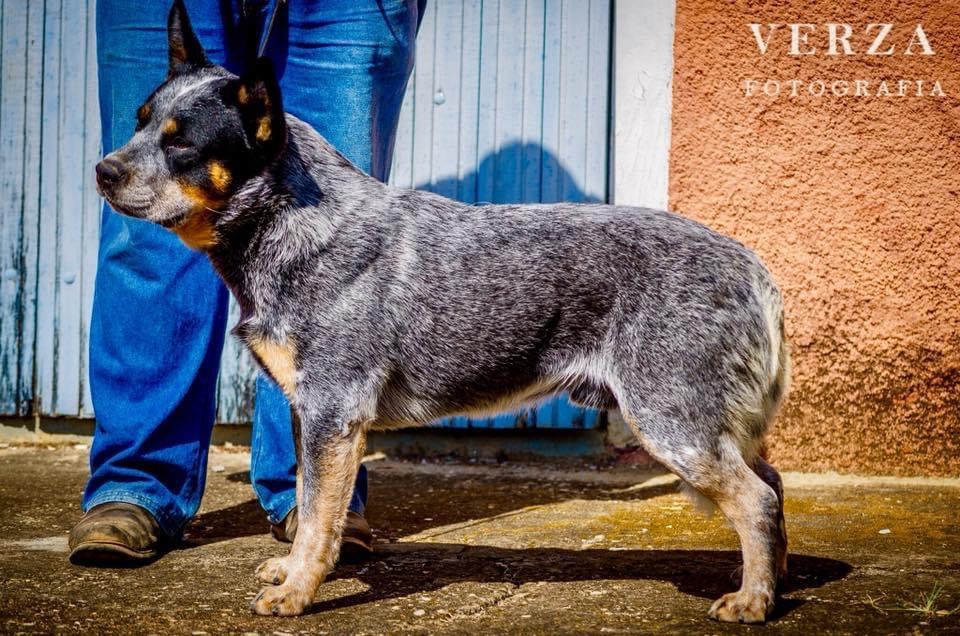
110, 555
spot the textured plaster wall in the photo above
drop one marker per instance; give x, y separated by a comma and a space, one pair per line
854, 204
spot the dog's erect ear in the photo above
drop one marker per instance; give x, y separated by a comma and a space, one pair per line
185, 49
257, 96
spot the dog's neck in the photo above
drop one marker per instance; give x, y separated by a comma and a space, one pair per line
289, 214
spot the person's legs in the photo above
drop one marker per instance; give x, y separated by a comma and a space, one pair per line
343, 67
159, 310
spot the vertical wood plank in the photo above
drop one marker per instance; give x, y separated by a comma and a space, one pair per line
13, 98
574, 76
33, 134
552, 82
92, 204
469, 104
546, 414
20, 58
49, 228
509, 109
236, 387
532, 122
487, 99
422, 168
596, 148
445, 122
69, 305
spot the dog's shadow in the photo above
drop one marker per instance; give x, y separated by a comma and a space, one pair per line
408, 568
473, 499
403, 569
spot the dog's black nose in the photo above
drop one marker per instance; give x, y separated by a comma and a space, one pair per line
110, 172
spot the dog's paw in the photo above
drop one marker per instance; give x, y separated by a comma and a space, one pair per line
282, 600
272, 571
742, 607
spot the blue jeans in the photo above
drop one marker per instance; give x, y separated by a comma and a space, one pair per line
159, 311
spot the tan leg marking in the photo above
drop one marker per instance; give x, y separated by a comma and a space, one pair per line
279, 359
742, 504
322, 513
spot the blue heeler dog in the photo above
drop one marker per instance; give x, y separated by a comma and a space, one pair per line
375, 307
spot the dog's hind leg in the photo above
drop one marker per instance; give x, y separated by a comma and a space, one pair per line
771, 477
716, 467
330, 455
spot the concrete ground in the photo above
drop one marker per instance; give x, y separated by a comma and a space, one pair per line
469, 548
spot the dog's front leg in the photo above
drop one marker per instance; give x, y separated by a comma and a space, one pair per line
330, 452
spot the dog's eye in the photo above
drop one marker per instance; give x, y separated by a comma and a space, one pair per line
181, 154
179, 144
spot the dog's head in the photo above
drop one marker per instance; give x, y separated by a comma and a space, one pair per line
199, 137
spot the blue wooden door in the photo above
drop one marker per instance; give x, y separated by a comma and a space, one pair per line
49, 208
508, 103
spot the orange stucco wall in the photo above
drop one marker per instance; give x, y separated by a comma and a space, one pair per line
854, 204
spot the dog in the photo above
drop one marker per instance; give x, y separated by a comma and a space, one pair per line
376, 307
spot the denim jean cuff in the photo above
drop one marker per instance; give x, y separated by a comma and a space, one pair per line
281, 509
170, 525
289, 503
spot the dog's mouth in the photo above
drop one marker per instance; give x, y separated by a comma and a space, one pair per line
141, 209
136, 209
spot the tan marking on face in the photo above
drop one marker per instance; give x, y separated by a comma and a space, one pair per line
278, 357
170, 126
197, 229
220, 176
143, 112
263, 129
243, 96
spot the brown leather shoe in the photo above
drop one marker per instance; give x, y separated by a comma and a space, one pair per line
355, 546
115, 534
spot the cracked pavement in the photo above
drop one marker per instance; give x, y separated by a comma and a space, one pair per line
472, 548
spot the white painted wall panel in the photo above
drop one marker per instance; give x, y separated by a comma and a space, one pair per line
643, 86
